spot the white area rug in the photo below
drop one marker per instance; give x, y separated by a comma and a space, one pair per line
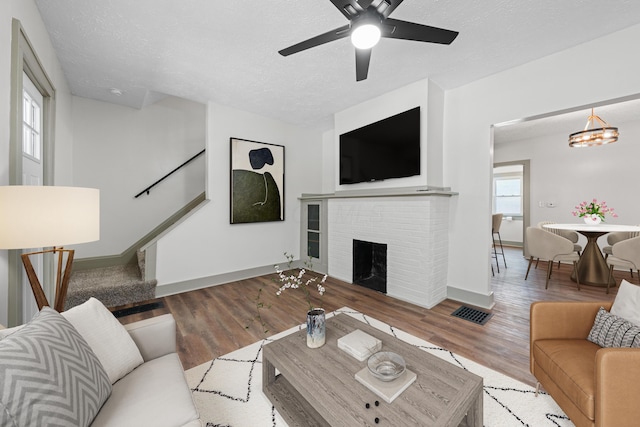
228, 390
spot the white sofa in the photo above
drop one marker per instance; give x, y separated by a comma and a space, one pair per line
155, 393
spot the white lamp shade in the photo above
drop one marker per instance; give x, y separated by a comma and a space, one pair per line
44, 216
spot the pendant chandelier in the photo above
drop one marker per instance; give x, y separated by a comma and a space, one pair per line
599, 133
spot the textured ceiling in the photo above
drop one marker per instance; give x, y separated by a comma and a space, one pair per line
227, 51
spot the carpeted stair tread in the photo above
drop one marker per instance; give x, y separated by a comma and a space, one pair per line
113, 286
141, 256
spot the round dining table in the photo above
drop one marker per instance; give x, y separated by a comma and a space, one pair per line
592, 268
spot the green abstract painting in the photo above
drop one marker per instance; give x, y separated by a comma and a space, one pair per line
257, 181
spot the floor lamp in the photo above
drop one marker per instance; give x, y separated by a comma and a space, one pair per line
48, 217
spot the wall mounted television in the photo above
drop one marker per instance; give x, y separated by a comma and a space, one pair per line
389, 148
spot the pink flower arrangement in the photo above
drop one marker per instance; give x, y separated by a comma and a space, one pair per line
594, 208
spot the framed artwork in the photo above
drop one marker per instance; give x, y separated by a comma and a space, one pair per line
257, 181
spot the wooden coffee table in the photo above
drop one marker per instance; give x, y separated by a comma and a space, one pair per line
317, 387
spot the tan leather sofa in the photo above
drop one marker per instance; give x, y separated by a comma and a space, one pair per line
594, 386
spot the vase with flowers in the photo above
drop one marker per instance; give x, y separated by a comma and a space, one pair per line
593, 212
305, 282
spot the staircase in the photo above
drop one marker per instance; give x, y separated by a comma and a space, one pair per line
123, 279
114, 285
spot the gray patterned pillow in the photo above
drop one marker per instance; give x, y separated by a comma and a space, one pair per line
49, 375
610, 330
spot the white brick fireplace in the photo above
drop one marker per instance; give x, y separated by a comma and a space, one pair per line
415, 229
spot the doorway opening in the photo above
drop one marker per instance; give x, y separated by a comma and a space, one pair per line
510, 197
27, 69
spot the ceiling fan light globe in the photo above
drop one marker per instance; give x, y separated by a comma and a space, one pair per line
365, 36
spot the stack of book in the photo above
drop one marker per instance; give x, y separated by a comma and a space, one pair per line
359, 344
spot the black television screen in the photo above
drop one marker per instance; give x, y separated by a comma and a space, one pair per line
389, 148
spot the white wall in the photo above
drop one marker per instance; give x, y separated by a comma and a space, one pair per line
511, 231
207, 244
435, 129
550, 84
27, 13
123, 150
568, 176
328, 158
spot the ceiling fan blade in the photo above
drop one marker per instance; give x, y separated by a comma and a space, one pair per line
396, 29
363, 56
327, 37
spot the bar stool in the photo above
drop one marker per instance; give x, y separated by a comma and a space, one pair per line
495, 230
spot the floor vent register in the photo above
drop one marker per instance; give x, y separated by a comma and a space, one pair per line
137, 309
478, 317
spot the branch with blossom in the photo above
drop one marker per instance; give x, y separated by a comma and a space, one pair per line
599, 209
293, 281
298, 282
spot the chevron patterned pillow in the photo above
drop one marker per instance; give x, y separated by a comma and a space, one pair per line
610, 330
49, 375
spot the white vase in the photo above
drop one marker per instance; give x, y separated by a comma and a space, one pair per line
315, 328
592, 219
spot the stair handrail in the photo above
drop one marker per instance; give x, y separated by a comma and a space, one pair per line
148, 189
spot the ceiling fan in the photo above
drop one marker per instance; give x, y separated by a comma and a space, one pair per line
368, 21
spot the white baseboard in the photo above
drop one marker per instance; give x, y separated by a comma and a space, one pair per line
472, 298
219, 279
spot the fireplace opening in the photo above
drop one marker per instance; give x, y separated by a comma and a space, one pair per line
370, 265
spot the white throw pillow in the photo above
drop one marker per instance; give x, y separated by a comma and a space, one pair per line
627, 302
107, 337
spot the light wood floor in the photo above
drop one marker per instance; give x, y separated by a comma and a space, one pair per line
213, 321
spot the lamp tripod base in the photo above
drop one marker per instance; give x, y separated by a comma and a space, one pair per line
63, 274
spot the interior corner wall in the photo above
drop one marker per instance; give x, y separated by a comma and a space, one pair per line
328, 156
567, 176
435, 129
122, 150
206, 244
552, 83
389, 104
27, 13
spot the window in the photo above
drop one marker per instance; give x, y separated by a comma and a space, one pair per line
507, 192
313, 231
31, 127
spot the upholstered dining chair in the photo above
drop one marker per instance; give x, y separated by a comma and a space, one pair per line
550, 247
567, 234
624, 254
613, 238
496, 222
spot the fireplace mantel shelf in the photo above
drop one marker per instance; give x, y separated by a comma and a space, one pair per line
386, 192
